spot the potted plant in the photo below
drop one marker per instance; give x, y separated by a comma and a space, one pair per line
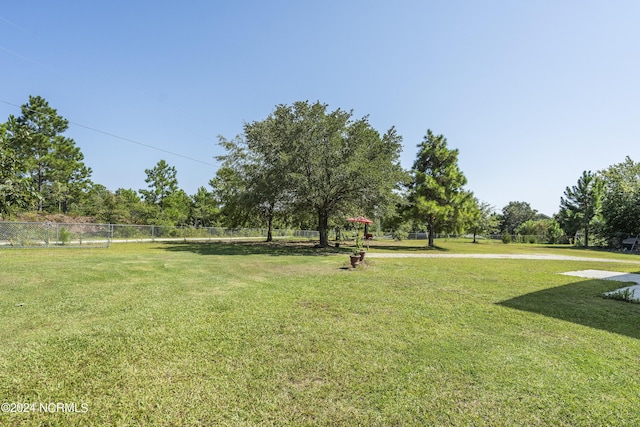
355, 260
358, 254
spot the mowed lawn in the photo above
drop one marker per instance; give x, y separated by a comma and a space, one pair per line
254, 334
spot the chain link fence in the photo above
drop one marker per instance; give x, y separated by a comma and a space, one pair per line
127, 233
46, 234
515, 238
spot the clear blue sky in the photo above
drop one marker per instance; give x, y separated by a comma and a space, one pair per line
532, 93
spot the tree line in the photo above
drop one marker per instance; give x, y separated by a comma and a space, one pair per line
307, 167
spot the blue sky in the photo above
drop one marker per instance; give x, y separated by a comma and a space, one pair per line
532, 93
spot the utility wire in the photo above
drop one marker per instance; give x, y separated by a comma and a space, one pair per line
121, 137
18, 55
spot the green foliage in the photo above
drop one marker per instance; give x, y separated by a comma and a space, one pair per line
306, 160
204, 209
402, 231
620, 215
16, 189
358, 242
581, 205
506, 238
251, 183
162, 183
481, 218
51, 162
515, 214
103, 205
626, 294
554, 232
176, 208
64, 236
436, 194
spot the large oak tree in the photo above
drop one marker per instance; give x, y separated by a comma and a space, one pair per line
305, 158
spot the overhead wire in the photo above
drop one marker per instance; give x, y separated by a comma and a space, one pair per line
93, 129
113, 135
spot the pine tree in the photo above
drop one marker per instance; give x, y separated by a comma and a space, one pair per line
436, 195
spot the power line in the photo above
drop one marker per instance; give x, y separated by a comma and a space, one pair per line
133, 141
49, 69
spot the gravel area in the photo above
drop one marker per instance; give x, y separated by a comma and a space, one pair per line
494, 256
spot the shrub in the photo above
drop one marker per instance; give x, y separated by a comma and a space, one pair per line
402, 232
64, 236
627, 295
506, 238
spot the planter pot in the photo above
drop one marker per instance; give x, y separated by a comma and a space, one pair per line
355, 260
361, 253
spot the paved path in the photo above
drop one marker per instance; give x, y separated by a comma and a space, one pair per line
591, 274
494, 256
612, 275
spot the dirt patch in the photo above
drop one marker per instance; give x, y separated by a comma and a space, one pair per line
56, 218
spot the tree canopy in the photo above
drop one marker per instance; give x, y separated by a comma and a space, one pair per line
51, 161
514, 214
621, 199
436, 194
307, 158
581, 204
307, 167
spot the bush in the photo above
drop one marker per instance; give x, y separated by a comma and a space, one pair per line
402, 232
506, 238
627, 295
64, 236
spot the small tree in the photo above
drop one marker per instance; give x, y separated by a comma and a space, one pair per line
176, 207
482, 218
204, 208
436, 195
514, 214
162, 183
582, 203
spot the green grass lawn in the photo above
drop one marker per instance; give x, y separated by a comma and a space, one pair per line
284, 334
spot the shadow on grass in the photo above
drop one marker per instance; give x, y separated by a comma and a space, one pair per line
578, 249
278, 248
582, 303
401, 248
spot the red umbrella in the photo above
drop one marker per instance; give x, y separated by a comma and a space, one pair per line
363, 220
360, 219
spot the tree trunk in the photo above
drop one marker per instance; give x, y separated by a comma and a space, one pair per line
40, 185
430, 225
323, 227
586, 236
270, 229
